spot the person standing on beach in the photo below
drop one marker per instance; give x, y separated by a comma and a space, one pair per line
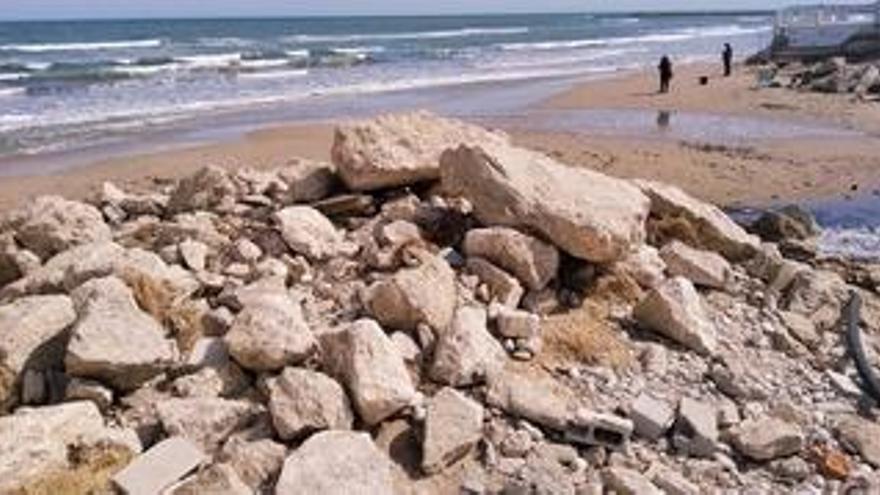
727, 57
665, 68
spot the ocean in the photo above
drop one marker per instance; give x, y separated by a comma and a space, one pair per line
69, 85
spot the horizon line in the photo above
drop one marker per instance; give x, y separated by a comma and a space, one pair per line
721, 11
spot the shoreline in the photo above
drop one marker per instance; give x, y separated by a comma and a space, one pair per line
751, 171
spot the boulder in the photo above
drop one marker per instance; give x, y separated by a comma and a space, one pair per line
703, 268
205, 421
35, 454
466, 352
50, 225
767, 438
113, 341
453, 426
308, 232
270, 332
365, 360
532, 261
674, 309
337, 463
28, 327
160, 467
714, 230
589, 215
303, 401
209, 188
424, 294
399, 150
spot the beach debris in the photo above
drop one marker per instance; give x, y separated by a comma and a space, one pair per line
400, 149
498, 321
589, 215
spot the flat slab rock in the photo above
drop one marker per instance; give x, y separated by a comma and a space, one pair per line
160, 467
675, 309
589, 215
454, 424
336, 463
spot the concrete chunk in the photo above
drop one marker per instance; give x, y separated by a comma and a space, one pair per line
160, 467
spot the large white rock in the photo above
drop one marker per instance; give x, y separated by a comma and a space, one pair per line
645, 266
26, 327
303, 401
209, 188
401, 149
336, 463
453, 425
49, 225
466, 352
716, 231
308, 232
703, 268
767, 438
37, 443
205, 421
674, 309
113, 340
424, 294
368, 363
531, 260
270, 332
587, 214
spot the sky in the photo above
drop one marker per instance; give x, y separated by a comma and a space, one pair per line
63, 9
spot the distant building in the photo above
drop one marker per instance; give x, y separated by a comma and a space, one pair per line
820, 31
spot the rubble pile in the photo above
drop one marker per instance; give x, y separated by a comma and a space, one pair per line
836, 76
438, 311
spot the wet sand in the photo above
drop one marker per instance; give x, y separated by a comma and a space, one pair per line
838, 154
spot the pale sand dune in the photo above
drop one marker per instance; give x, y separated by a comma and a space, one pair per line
767, 170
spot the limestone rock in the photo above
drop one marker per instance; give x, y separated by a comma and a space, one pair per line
767, 438
219, 479
424, 294
205, 421
696, 430
625, 481
50, 225
503, 287
651, 417
518, 324
113, 341
453, 425
861, 435
675, 310
365, 360
160, 467
587, 214
194, 254
715, 230
645, 266
538, 399
308, 232
703, 268
27, 328
399, 150
531, 260
207, 189
305, 181
337, 463
256, 460
37, 443
270, 332
466, 352
303, 401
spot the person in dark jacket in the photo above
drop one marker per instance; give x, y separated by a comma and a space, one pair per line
665, 69
727, 57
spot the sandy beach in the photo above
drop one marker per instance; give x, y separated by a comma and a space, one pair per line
753, 171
